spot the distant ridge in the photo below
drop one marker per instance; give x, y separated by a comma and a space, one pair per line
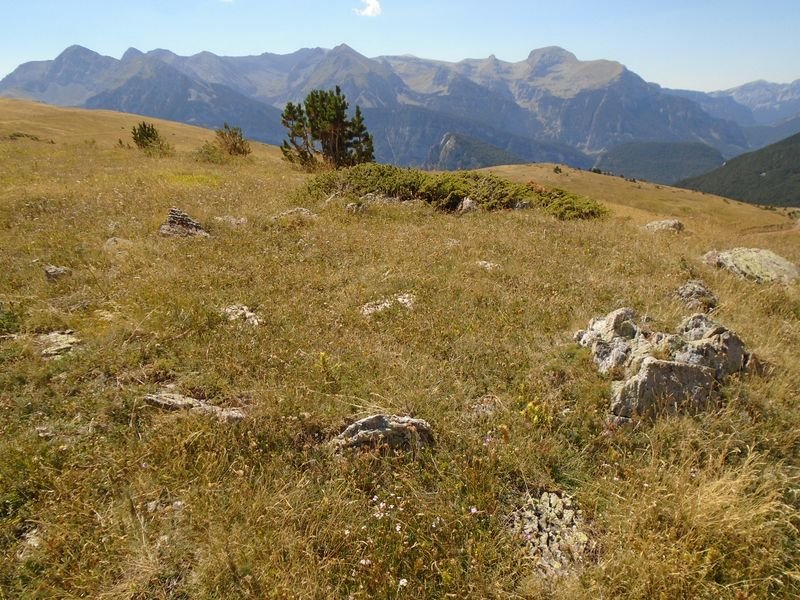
549, 105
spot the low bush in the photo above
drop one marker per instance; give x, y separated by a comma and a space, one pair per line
210, 152
445, 191
148, 139
231, 141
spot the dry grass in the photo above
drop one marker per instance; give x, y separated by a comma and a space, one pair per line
688, 507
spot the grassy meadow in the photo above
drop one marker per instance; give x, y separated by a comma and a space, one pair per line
103, 496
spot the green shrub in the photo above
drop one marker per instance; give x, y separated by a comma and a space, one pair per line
231, 141
210, 152
148, 139
445, 191
567, 206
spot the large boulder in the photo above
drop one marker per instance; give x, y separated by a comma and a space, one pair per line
662, 385
385, 431
653, 371
755, 264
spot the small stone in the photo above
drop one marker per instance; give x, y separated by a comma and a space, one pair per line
31, 542
231, 221
356, 208
117, 246
179, 224
57, 343
296, 213
391, 431
172, 401
488, 266
54, 273
671, 225
405, 299
467, 205
240, 312
696, 295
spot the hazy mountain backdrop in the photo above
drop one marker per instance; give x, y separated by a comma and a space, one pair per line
550, 107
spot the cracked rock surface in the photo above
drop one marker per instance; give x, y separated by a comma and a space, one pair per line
653, 371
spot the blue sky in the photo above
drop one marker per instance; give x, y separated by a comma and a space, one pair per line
694, 44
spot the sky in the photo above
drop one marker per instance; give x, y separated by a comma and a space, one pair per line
691, 44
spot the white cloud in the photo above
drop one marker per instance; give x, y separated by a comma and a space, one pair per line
372, 8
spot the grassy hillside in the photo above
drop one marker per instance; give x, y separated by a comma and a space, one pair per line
660, 162
103, 496
767, 176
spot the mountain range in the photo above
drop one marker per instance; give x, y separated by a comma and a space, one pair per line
550, 107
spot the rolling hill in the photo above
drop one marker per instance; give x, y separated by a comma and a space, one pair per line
767, 176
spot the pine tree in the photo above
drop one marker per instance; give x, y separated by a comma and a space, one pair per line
321, 134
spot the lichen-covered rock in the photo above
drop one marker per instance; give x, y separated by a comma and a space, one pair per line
713, 346
755, 264
655, 371
179, 224
696, 295
662, 385
554, 532
57, 343
54, 273
389, 431
672, 225
175, 402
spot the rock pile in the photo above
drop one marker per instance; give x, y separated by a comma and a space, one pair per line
385, 431
180, 224
755, 264
655, 371
696, 295
553, 531
672, 225
174, 402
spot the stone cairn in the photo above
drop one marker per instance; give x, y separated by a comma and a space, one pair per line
180, 224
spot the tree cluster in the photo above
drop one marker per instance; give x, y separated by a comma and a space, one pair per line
321, 134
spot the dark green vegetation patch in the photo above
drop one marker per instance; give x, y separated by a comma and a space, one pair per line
445, 191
